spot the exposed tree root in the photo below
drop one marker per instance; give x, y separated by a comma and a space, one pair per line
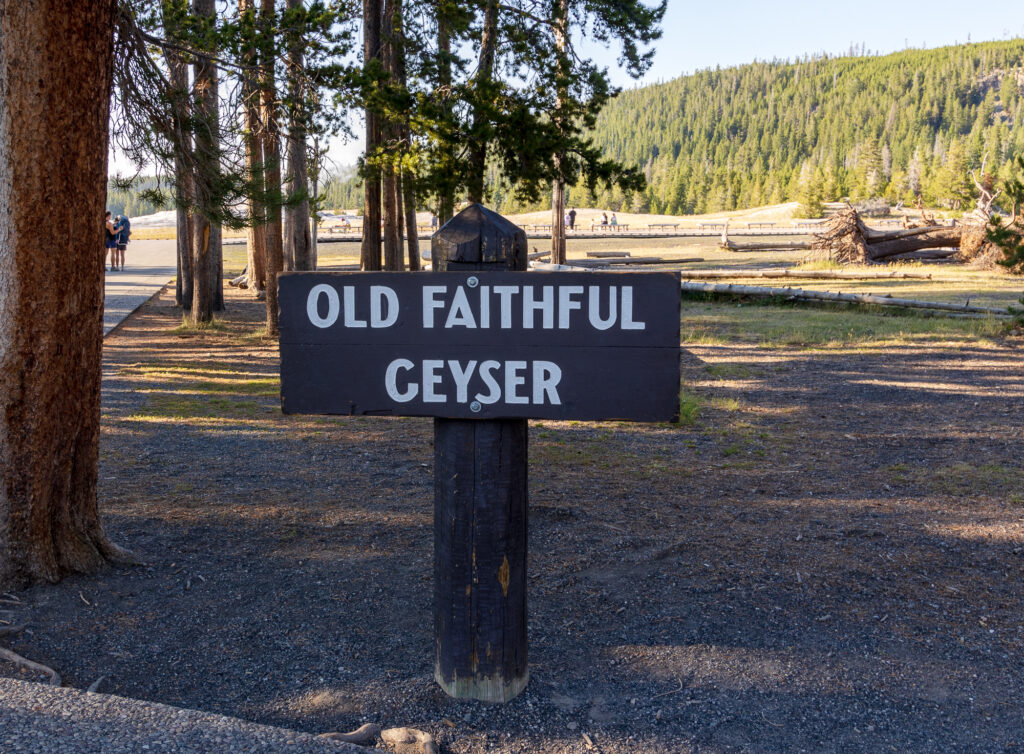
35, 667
847, 240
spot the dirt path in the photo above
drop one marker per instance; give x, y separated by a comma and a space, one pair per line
828, 557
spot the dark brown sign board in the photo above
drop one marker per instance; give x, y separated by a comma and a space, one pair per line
542, 345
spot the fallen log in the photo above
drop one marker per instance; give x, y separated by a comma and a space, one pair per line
933, 239
768, 246
552, 267
601, 254
850, 298
805, 274
924, 255
616, 261
847, 239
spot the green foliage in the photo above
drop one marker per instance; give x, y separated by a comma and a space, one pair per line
1010, 236
136, 196
899, 126
514, 120
176, 130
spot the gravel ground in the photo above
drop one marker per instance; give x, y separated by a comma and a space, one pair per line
828, 558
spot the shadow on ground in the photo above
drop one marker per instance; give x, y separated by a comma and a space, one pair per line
827, 557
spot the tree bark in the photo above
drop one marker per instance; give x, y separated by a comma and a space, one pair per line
392, 210
207, 292
411, 231
370, 252
558, 220
183, 185
55, 76
299, 242
407, 194
558, 185
256, 234
934, 239
271, 165
485, 72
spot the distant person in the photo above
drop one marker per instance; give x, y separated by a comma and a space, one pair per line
565, 220
433, 222
110, 241
123, 227
572, 219
604, 219
614, 221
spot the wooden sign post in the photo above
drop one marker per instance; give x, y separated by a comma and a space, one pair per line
481, 353
480, 505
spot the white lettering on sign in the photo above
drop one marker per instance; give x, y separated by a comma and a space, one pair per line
493, 390
566, 304
383, 306
546, 376
542, 307
378, 295
513, 381
505, 293
546, 305
512, 388
595, 308
627, 310
461, 314
430, 302
431, 379
461, 378
350, 308
313, 305
391, 381
378, 307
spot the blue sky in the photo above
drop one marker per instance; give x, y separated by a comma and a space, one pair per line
705, 34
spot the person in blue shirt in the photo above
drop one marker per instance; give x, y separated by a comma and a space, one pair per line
123, 228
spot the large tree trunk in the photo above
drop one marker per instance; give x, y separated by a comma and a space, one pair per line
370, 253
484, 83
206, 258
558, 220
183, 184
558, 185
408, 194
55, 75
411, 231
272, 168
298, 240
392, 210
256, 234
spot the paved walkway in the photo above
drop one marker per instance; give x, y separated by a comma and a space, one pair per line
40, 719
149, 266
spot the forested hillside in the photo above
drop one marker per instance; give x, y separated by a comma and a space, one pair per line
135, 199
914, 122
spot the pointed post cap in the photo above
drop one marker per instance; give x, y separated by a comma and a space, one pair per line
478, 239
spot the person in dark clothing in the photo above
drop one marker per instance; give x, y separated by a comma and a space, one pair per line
572, 219
110, 241
123, 228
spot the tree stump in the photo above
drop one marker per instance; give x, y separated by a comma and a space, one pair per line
480, 506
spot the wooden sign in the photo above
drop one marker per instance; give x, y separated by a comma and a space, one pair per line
545, 345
